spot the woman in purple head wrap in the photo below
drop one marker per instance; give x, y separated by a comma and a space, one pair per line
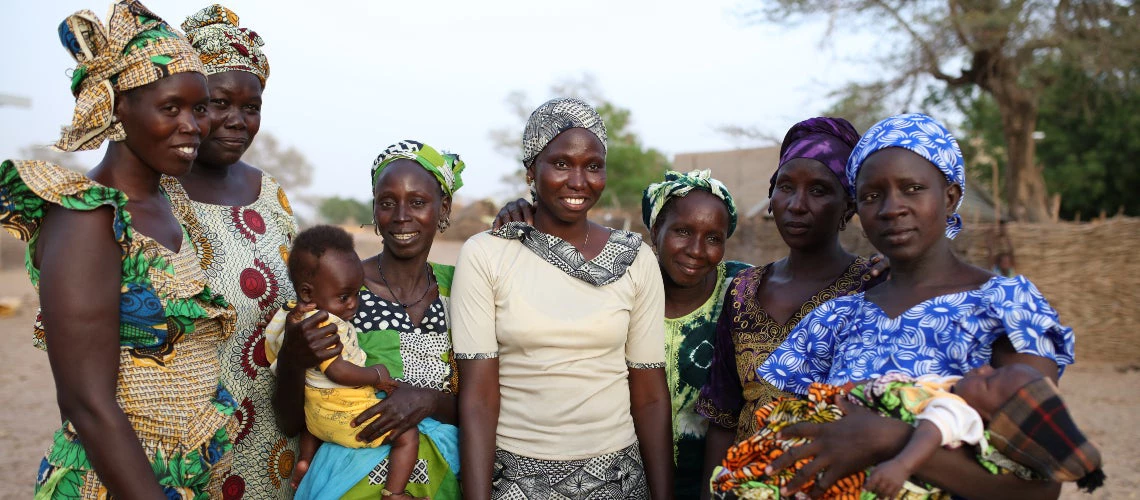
811, 205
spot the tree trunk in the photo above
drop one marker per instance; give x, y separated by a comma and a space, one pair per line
1025, 190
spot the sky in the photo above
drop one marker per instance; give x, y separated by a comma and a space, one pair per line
348, 78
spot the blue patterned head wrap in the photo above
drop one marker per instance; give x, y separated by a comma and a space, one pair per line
677, 185
924, 136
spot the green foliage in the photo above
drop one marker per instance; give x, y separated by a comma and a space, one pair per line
1089, 150
630, 165
337, 210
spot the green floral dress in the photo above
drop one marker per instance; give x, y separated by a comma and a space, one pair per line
170, 327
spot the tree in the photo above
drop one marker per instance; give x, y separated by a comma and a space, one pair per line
996, 46
630, 166
337, 210
291, 169
1086, 143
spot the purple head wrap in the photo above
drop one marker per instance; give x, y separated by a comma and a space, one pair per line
824, 139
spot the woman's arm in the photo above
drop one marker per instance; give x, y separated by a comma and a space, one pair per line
403, 409
479, 408
80, 282
717, 442
306, 345
862, 438
651, 410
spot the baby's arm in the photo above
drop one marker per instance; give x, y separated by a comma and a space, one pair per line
888, 477
348, 374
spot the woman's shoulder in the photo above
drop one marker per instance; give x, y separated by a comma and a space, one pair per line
28, 187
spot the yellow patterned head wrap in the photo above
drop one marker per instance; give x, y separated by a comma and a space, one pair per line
223, 46
136, 48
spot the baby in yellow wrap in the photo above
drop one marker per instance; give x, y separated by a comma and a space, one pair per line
327, 275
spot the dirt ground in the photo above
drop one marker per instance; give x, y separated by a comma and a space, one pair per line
1105, 399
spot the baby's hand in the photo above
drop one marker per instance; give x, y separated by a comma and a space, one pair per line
384, 381
886, 481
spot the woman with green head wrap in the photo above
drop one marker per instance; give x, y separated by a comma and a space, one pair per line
130, 325
690, 217
404, 324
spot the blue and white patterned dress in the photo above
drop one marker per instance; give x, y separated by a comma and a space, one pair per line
852, 339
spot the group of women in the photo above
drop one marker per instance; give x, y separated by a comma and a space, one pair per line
593, 364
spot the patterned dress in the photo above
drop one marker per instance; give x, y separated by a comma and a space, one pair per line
243, 250
852, 339
419, 355
170, 326
688, 355
746, 335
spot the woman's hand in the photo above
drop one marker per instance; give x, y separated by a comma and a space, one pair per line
403, 409
307, 343
859, 440
519, 210
880, 266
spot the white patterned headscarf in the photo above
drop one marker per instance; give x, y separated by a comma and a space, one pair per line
924, 136
555, 117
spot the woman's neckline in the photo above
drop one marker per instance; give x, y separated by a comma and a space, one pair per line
981, 288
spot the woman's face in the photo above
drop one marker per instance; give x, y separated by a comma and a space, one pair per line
165, 121
903, 202
408, 204
235, 117
808, 203
690, 237
570, 174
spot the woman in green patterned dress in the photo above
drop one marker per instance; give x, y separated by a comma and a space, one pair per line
130, 327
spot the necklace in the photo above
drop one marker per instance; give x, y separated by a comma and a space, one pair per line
393, 292
587, 240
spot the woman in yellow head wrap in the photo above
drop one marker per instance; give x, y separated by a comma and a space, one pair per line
249, 228
130, 327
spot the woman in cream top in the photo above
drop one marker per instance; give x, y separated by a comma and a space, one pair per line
558, 336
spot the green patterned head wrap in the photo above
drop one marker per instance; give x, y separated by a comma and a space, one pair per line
677, 185
444, 166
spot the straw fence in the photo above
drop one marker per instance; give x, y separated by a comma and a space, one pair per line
1090, 272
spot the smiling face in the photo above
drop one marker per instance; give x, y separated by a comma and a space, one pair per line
335, 284
903, 202
165, 121
408, 204
235, 117
569, 175
808, 203
689, 237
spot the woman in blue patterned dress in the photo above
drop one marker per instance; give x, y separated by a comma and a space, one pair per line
936, 315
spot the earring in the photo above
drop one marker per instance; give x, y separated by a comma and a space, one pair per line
444, 223
842, 225
375, 227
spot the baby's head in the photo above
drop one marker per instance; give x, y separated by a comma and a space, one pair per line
326, 271
1028, 423
987, 388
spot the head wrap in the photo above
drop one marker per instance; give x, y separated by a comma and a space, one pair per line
444, 166
924, 136
1035, 429
824, 139
134, 49
677, 185
222, 45
554, 117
